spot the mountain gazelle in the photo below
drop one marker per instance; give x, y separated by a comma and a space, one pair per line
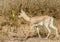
46, 21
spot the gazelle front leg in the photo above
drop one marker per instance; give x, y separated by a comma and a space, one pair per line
35, 25
31, 28
48, 33
38, 32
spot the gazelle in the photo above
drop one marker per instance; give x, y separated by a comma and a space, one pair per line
47, 21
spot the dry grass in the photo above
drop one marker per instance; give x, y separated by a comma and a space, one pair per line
14, 28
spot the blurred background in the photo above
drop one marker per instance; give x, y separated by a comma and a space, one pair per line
13, 28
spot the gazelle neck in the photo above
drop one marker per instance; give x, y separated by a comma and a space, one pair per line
26, 17
23, 14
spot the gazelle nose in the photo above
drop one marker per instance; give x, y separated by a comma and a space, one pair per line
19, 16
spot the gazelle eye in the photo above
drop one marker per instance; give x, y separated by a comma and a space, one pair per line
18, 14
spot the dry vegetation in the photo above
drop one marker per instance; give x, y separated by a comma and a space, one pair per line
13, 29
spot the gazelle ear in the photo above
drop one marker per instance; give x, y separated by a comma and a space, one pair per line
19, 16
22, 11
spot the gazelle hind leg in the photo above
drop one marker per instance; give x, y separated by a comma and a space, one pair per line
52, 26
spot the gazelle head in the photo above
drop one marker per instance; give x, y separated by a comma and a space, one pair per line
21, 14
24, 15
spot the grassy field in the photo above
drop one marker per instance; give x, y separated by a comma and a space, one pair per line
13, 29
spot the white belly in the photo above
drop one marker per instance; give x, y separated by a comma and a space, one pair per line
41, 24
